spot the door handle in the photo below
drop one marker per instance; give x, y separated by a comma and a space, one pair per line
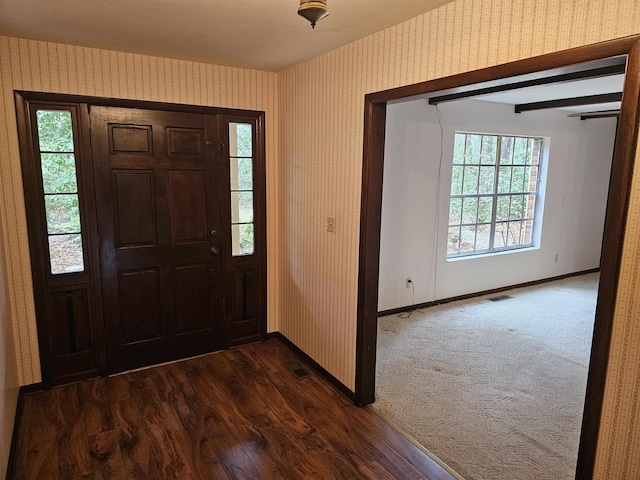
214, 251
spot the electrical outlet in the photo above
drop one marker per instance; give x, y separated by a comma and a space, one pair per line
331, 224
556, 258
408, 283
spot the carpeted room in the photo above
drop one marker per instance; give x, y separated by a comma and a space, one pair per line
418, 356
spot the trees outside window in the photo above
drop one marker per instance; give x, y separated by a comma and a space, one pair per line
494, 191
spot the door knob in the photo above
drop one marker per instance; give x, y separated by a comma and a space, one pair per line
214, 251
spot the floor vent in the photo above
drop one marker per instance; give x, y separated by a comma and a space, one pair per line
296, 370
500, 298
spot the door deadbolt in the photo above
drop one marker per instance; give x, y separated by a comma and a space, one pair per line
213, 233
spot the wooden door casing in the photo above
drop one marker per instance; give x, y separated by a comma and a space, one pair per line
158, 210
167, 296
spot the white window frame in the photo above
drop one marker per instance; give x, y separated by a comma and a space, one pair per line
535, 206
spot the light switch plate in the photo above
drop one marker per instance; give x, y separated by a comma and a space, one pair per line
331, 224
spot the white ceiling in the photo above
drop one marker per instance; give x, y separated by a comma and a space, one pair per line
555, 91
261, 34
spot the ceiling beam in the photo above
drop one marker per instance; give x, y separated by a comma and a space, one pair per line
602, 115
617, 67
570, 102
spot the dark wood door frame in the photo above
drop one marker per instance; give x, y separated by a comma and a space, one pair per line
615, 221
82, 104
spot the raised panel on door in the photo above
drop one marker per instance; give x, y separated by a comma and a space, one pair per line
139, 295
192, 298
244, 306
134, 206
188, 206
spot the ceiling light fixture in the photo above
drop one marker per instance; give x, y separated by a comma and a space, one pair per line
313, 10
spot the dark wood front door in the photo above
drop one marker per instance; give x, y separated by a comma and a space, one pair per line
157, 195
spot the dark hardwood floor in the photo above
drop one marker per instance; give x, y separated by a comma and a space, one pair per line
236, 414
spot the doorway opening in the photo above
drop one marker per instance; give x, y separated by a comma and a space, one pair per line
558, 64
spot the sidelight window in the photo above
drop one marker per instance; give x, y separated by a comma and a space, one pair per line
241, 172
60, 187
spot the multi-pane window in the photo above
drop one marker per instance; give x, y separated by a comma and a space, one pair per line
241, 169
60, 185
494, 190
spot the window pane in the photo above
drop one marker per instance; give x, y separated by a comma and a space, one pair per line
63, 215
531, 206
470, 210
485, 205
506, 151
487, 176
241, 174
456, 181
241, 207
470, 180
502, 209
517, 207
65, 253
514, 233
59, 173
242, 239
473, 149
482, 237
489, 147
467, 239
518, 179
535, 154
54, 131
455, 211
520, 151
240, 140
500, 237
527, 237
453, 240
458, 148
504, 180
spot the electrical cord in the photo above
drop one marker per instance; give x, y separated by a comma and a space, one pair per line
437, 229
413, 301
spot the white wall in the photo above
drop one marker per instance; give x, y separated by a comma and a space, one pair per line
577, 168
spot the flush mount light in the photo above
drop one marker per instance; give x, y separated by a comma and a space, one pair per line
313, 11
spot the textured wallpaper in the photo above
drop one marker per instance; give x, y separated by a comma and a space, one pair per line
322, 123
49, 67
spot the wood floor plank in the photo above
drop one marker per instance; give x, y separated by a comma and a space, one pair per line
106, 459
96, 405
237, 414
180, 411
41, 456
74, 461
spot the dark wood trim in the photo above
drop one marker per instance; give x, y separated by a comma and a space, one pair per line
127, 103
602, 115
617, 67
614, 230
370, 222
619, 190
32, 204
569, 102
315, 366
17, 422
535, 67
409, 308
92, 276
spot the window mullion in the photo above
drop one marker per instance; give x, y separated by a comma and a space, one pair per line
494, 204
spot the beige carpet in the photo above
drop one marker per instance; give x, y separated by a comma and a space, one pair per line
494, 389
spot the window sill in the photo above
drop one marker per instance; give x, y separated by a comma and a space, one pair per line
491, 254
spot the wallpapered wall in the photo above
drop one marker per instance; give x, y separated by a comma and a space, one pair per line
48, 67
322, 124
